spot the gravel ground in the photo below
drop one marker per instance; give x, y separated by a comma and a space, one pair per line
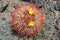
51, 29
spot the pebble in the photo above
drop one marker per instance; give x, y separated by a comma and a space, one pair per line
57, 7
3, 8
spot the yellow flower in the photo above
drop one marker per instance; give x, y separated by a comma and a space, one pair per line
22, 15
31, 23
31, 11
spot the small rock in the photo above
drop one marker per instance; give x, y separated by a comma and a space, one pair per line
57, 7
3, 8
3, 19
